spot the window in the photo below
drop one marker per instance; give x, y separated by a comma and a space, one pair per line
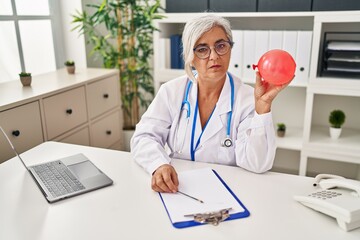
27, 38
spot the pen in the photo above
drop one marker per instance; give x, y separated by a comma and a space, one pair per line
191, 197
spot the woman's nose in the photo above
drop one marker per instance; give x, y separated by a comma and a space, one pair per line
213, 54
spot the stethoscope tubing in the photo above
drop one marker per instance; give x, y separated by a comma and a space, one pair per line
227, 142
186, 99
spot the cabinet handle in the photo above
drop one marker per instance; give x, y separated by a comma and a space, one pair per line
106, 95
248, 66
16, 133
236, 65
302, 69
69, 111
108, 132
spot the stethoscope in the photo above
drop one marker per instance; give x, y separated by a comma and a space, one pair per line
185, 106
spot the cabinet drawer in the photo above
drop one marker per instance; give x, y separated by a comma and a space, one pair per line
103, 95
81, 137
65, 111
23, 127
106, 131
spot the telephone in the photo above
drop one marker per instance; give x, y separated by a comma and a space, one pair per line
337, 197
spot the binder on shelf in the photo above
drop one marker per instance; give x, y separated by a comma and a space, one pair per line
303, 54
261, 44
275, 39
219, 203
290, 42
174, 60
167, 53
248, 73
297, 43
164, 53
176, 52
236, 53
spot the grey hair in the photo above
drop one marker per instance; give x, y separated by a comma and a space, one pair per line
194, 29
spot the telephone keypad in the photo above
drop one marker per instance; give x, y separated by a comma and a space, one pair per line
325, 194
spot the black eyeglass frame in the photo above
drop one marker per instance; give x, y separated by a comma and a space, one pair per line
231, 43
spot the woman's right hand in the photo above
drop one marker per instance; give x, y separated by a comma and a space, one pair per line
165, 179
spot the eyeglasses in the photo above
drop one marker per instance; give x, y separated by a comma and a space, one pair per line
221, 48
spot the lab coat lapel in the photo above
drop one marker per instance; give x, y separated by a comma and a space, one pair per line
220, 115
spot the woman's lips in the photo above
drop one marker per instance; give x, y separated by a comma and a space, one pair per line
215, 66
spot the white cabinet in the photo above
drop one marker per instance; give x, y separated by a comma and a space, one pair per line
304, 106
102, 96
64, 111
81, 137
22, 124
105, 131
83, 108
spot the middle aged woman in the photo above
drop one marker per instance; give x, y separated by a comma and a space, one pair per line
209, 115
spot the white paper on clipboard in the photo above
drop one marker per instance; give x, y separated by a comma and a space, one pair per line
202, 184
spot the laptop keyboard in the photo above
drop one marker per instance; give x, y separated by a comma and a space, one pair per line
57, 178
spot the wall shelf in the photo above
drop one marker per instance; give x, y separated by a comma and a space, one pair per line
292, 140
304, 106
347, 144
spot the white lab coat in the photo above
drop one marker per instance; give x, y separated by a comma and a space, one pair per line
253, 135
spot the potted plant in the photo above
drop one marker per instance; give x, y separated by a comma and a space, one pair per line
70, 66
281, 128
127, 46
336, 120
25, 78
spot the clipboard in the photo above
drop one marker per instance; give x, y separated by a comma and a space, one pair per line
172, 201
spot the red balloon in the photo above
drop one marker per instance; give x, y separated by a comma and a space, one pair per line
276, 67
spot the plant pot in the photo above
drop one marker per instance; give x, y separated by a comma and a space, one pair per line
335, 133
70, 69
26, 81
127, 137
280, 133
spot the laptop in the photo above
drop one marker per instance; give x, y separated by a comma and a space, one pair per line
65, 177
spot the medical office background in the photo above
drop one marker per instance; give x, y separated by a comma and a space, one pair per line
38, 36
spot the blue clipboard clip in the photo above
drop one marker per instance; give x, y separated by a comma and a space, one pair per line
213, 218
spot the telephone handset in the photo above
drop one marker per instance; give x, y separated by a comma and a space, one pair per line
323, 176
337, 197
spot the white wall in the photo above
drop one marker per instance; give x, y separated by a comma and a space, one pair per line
74, 43
163, 3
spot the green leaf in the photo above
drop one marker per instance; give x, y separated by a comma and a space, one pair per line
133, 61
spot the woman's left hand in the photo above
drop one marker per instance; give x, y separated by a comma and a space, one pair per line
265, 93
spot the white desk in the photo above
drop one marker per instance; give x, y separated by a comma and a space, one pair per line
131, 210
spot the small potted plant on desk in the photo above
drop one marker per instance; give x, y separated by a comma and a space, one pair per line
336, 120
70, 66
281, 127
25, 78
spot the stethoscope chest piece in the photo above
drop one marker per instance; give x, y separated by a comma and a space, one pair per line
227, 142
